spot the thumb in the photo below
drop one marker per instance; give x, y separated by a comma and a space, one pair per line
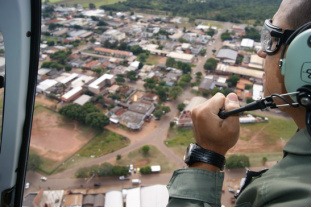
231, 102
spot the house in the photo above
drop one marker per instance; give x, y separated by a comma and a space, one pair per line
133, 66
171, 78
81, 81
43, 86
227, 56
256, 62
114, 89
99, 84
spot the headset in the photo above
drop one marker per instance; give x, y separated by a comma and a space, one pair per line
295, 66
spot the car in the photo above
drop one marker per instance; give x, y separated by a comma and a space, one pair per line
96, 184
136, 181
43, 178
27, 185
123, 178
131, 167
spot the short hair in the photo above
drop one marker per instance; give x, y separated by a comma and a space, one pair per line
299, 14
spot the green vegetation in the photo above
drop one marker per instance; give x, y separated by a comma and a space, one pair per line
237, 161
145, 149
155, 157
185, 67
86, 3
233, 80
34, 162
210, 64
234, 11
87, 114
104, 143
145, 170
105, 169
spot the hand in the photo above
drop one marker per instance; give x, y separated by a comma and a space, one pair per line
212, 132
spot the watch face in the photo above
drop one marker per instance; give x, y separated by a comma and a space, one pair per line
188, 153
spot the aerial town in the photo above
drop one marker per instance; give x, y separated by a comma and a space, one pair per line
144, 74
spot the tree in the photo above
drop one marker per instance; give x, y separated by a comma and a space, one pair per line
145, 149
102, 23
120, 79
83, 173
92, 6
210, 64
226, 36
92, 40
97, 120
161, 93
119, 157
170, 62
68, 68
233, 80
249, 100
34, 162
203, 52
172, 124
181, 106
136, 49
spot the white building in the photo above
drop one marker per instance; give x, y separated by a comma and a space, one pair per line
100, 83
182, 57
45, 85
82, 99
113, 199
257, 91
247, 43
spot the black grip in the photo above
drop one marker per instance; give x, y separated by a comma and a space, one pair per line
222, 114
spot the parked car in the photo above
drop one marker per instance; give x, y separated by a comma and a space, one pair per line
136, 181
27, 185
43, 178
123, 178
232, 191
96, 184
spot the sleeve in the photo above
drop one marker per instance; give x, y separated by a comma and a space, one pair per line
195, 187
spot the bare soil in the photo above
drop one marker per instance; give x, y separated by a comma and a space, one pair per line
54, 138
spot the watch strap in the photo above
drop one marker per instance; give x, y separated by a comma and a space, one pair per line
200, 154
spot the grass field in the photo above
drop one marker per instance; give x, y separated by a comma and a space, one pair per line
104, 143
154, 157
271, 132
85, 3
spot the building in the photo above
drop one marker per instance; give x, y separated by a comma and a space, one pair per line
206, 84
142, 108
114, 199
114, 53
256, 62
83, 99
182, 57
132, 120
257, 92
247, 43
43, 86
227, 56
73, 94
185, 116
112, 35
72, 200
81, 81
66, 78
246, 72
98, 85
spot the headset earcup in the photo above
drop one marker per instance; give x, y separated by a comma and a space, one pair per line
296, 66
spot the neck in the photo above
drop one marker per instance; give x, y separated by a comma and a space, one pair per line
298, 115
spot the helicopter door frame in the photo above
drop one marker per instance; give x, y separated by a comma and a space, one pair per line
20, 25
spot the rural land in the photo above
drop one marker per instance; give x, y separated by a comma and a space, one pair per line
117, 81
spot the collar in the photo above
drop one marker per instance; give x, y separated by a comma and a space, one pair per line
299, 144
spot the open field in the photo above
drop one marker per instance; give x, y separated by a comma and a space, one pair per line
155, 60
85, 3
55, 138
154, 157
256, 140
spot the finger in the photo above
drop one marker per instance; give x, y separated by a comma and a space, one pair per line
231, 102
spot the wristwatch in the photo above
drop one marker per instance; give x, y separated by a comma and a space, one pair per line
195, 153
